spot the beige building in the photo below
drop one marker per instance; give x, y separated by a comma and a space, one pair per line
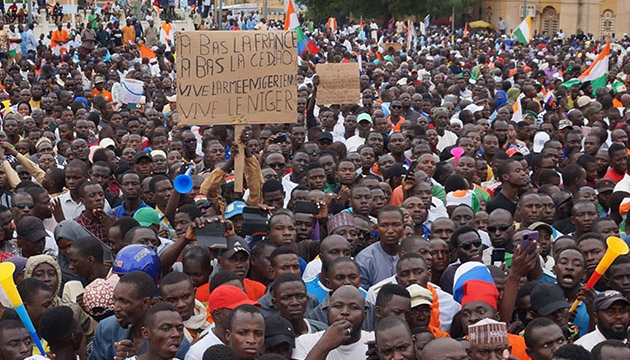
599, 17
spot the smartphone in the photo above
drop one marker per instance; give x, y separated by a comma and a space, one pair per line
306, 207
412, 167
498, 256
280, 139
254, 221
527, 239
211, 235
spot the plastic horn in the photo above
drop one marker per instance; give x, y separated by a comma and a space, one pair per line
616, 247
7, 283
457, 152
183, 183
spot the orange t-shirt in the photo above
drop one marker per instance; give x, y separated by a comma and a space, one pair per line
203, 293
518, 346
105, 94
58, 36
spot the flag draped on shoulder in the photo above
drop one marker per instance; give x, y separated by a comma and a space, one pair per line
524, 32
596, 73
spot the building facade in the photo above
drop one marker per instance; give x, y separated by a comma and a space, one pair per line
602, 18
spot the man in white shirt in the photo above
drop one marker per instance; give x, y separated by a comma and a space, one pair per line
613, 317
364, 125
221, 302
344, 339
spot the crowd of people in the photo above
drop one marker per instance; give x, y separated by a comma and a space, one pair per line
454, 213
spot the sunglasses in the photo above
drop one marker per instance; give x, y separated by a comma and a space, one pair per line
470, 245
501, 228
312, 152
277, 165
23, 205
396, 107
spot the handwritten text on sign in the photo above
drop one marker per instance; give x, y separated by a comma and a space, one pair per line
228, 77
338, 83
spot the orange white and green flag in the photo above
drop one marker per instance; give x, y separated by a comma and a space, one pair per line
596, 73
524, 31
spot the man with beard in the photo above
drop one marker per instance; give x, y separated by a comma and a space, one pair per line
396, 146
120, 335
500, 229
613, 317
569, 270
583, 213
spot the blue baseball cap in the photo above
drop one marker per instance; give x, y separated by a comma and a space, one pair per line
234, 208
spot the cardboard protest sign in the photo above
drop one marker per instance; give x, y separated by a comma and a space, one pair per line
338, 83
236, 77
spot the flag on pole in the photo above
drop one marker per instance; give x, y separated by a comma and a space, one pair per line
291, 20
303, 43
550, 98
331, 24
517, 116
427, 23
466, 30
596, 73
524, 31
411, 34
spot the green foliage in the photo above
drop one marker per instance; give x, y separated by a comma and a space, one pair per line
320, 10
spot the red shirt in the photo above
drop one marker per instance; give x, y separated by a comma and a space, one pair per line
613, 175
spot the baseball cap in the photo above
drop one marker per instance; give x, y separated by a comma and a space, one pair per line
278, 330
234, 208
107, 142
31, 228
364, 117
147, 216
99, 79
583, 101
172, 98
547, 298
563, 124
228, 297
325, 136
419, 295
142, 155
155, 153
539, 224
235, 244
540, 139
605, 299
605, 185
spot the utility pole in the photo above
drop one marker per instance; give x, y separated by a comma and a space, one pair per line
524, 9
265, 10
588, 15
453, 21
30, 12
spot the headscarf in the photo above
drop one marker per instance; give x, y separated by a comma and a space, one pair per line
34, 261
513, 93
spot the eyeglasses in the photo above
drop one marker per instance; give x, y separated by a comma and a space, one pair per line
277, 165
395, 107
470, 245
312, 151
23, 205
501, 228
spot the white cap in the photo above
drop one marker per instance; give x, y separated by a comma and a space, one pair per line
540, 139
106, 142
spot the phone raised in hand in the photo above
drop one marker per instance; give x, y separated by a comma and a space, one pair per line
528, 238
211, 235
306, 207
254, 221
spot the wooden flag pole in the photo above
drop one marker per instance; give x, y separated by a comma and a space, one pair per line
239, 161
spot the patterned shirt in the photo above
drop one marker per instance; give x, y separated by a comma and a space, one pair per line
95, 227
